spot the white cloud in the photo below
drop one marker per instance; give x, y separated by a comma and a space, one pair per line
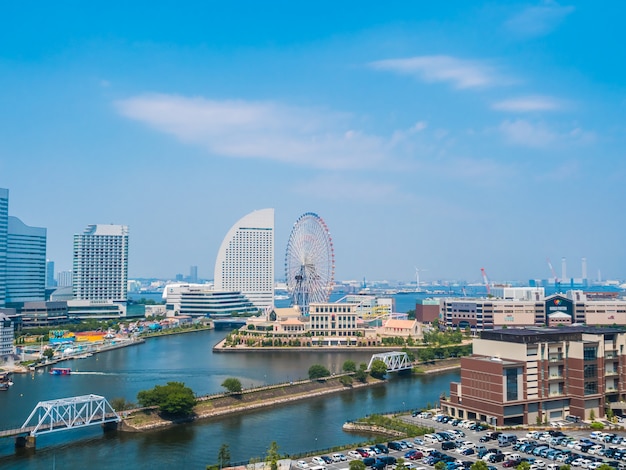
334, 187
267, 130
440, 68
528, 104
539, 135
538, 20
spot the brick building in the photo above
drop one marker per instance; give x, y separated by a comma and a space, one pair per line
522, 376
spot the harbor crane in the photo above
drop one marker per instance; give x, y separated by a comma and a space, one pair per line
485, 280
554, 276
417, 279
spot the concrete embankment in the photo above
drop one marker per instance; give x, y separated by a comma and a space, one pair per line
225, 404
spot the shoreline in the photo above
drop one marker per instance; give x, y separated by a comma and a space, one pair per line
224, 404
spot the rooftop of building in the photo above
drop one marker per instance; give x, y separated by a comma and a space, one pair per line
543, 334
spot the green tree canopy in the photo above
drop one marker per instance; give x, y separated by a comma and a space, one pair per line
356, 465
480, 465
522, 466
223, 456
349, 366
317, 371
378, 369
174, 398
272, 456
440, 465
232, 384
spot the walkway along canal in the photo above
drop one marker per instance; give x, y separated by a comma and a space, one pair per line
303, 425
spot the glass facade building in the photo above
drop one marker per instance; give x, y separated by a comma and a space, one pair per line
25, 263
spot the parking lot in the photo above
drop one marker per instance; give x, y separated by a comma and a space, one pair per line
567, 445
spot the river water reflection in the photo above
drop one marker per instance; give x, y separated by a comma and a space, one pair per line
188, 358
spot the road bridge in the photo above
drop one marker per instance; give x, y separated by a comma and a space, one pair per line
61, 415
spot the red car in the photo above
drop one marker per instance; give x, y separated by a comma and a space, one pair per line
511, 463
363, 452
416, 455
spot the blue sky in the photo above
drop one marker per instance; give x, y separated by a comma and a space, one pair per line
447, 136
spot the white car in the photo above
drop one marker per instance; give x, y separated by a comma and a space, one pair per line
338, 457
318, 461
302, 464
353, 454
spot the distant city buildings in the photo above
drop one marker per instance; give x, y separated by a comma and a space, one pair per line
245, 260
50, 281
201, 300
100, 263
4, 230
22, 259
6, 337
193, 274
521, 310
64, 279
25, 263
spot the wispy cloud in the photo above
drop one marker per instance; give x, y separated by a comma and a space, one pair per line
538, 20
526, 104
267, 130
540, 135
460, 73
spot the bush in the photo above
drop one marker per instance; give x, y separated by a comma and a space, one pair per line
346, 381
596, 426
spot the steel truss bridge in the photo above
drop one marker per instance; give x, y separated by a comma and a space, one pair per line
394, 360
63, 414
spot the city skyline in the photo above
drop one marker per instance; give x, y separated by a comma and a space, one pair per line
440, 137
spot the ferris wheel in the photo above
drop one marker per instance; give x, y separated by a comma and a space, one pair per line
309, 262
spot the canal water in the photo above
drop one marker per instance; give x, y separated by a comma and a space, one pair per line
306, 425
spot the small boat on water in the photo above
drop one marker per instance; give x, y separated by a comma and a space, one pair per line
5, 381
60, 371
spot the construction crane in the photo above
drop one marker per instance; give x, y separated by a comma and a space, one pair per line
485, 280
417, 279
554, 276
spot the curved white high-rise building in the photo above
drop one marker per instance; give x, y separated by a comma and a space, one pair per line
245, 260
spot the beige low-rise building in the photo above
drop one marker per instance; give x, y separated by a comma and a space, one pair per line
402, 328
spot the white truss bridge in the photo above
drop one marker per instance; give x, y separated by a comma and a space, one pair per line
395, 361
69, 413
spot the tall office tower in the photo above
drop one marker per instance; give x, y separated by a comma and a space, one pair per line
50, 282
26, 263
4, 228
100, 265
193, 274
245, 260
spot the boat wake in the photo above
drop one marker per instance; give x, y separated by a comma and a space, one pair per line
92, 373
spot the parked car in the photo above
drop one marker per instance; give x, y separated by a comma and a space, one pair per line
338, 457
353, 454
318, 461
383, 448
326, 459
302, 464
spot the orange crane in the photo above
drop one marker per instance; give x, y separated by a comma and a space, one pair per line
486, 280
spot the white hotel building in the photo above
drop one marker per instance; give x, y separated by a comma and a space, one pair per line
245, 260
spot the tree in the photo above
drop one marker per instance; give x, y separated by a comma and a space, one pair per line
400, 464
272, 456
378, 369
349, 366
223, 456
592, 415
48, 353
232, 384
441, 465
480, 465
522, 466
173, 398
605, 466
120, 404
361, 375
356, 465
317, 371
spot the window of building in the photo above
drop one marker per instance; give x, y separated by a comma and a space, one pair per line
591, 388
590, 353
512, 391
